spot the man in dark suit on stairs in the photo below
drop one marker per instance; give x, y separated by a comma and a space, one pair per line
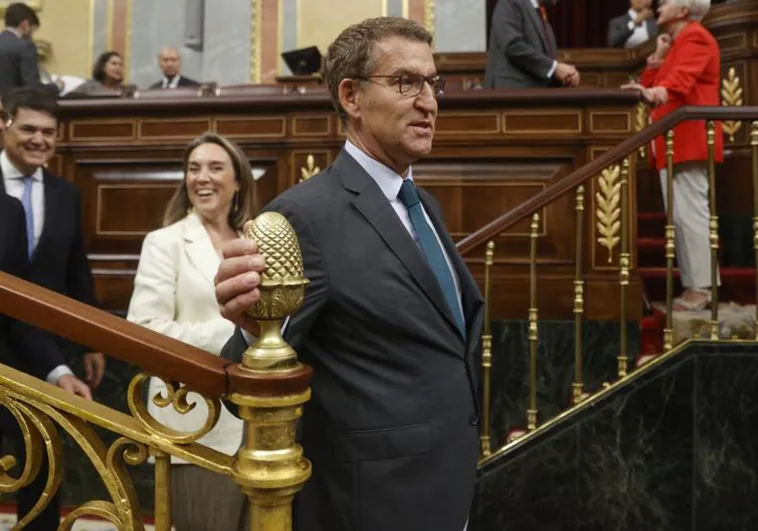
52, 208
19, 64
392, 316
522, 50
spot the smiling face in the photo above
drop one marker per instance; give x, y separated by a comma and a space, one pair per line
114, 69
211, 181
29, 140
395, 129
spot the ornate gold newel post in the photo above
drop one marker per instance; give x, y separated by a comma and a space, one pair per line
668, 332
531, 413
623, 359
271, 467
754, 144
714, 230
484, 438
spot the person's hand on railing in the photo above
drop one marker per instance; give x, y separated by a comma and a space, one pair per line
237, 282
94, 368
567, 74
69, 382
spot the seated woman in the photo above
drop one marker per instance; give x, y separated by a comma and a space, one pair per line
685, 69
174, 295
107, 75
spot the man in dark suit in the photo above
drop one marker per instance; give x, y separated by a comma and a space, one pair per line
52, 208
19, 64
522, 50
633, 28
171, 65
392, 316
30, 350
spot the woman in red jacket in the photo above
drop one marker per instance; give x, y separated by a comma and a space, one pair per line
685, 69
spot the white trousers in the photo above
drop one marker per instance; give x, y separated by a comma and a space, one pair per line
691, 214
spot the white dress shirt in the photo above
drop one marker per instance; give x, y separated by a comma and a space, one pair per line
14, 186
171, 83
550, 72
640, 33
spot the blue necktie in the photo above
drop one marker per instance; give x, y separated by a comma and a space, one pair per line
432, 249
26, 200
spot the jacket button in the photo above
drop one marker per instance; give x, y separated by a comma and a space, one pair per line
473, 420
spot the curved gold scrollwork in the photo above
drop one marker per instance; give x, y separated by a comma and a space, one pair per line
178, 400
102, 509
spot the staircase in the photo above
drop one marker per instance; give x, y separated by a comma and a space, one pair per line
737, 265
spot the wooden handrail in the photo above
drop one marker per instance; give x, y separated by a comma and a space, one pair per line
155, 353
593, 168
318, 98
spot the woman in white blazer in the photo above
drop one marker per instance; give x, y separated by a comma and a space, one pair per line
174, 295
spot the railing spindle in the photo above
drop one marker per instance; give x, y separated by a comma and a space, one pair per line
486, 448
162, 490
754, 144
668, 332
714, 229
531, 413
578, 297
623, 359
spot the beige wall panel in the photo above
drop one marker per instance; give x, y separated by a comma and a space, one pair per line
67, 26
319, 23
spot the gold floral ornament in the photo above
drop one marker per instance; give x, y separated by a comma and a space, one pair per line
310, 169
608, 210
176, 399
731, 96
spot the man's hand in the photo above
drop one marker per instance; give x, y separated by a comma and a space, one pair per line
567, 74
69, 382
94, 368
642, 16
237, 282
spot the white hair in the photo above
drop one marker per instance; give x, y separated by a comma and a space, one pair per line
698, 8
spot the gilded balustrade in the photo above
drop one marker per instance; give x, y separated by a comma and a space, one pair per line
270, 467
614, 240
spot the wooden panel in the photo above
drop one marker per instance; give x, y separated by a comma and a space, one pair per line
261, 127
468, 123
102, 130
311, 126
545, 122
176, 129
306, 164
140, 201
602, 122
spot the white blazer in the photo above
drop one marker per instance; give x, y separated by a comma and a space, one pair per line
174, 295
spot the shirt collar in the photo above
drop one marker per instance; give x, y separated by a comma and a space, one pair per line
387, 179
535, 4
10, 171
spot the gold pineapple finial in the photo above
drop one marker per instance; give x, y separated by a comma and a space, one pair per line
282, 290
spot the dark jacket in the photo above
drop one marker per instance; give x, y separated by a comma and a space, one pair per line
183, 82
619, 30
19, 66
391, 428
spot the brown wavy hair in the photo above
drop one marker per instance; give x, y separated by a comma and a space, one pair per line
244, 203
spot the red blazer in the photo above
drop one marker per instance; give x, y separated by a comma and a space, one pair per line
692, 73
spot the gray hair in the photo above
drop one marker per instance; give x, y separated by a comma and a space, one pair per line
697, 8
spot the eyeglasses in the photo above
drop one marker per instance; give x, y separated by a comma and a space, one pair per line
411, 85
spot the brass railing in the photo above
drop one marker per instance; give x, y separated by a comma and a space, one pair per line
619, 159
270, 387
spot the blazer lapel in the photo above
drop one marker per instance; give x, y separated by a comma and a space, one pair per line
199, 248
471, 298
51, 207
534, 17
374, 206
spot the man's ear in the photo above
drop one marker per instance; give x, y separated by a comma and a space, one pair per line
349, 95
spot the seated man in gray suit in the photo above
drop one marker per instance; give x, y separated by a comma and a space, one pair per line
392, 316
633, 28
522, 51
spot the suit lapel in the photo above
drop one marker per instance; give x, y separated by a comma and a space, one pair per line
199, 249
534, 17
471, 299
374, 206
52, 207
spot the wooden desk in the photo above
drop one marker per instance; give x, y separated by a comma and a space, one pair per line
492, 151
